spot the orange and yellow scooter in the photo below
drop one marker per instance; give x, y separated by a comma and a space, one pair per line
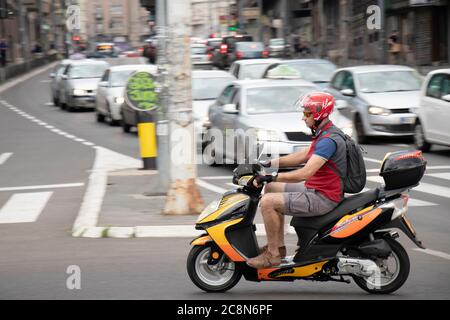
354, 240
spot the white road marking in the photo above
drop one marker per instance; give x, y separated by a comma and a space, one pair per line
438, 167
5, 156
422, 187
210, 186
24, 207
373, 160
48, 186
434, 253
442, 175
216, 178
105, 160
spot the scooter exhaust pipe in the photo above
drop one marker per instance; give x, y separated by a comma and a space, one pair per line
358, 267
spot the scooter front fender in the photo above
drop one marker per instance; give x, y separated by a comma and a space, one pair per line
201, 240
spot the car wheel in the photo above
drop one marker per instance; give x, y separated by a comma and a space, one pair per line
100, 117
125, 126
419, 138
359, 128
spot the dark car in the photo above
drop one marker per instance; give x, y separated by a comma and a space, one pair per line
248, 50
227, 48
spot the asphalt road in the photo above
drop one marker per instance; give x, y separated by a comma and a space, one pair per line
35, 256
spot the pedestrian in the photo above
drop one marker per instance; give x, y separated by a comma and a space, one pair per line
3, 49
394, 47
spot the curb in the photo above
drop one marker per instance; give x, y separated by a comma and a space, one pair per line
167, 231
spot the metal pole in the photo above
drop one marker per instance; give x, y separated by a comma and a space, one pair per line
260, 26
383, 46
241, 16
183, 196
22, 30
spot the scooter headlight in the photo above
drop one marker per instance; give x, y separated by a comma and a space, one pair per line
213, 206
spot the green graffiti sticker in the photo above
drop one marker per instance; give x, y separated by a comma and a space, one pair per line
141, 92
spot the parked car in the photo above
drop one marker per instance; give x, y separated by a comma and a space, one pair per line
267, 109
199, 56
110, 91
226, 48
206, 87
318, 71
78, 87
56, 77
248, 50
251, 68
433, 113
279, 48
381, 96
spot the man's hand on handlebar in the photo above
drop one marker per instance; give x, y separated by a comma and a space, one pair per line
261, 180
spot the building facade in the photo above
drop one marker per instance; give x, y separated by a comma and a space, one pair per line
114, 20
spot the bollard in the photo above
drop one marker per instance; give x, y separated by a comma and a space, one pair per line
147, 141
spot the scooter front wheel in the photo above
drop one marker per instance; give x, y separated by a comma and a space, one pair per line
218, 277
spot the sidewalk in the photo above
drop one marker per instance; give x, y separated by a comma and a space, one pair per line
14, 70
133, 205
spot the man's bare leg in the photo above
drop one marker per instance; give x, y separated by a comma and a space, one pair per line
271, 208
278, 187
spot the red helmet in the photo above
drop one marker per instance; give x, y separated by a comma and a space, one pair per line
320, 104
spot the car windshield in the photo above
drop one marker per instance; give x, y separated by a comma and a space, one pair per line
274, 99
253, 71
198, 50
209, 88
277, 42
119, 78
88, 71
389, 81
249, 46
315, 72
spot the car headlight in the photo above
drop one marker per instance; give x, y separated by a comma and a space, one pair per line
379, 111
80, 92
119, 100
267, 135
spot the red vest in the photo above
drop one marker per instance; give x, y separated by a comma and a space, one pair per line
325, 180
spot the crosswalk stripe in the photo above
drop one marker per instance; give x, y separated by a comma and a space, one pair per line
47, 186
442, 175
4, 156
422, 187
24, 207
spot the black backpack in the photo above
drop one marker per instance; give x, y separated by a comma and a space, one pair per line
355, 180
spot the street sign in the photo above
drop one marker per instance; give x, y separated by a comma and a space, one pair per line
141, 92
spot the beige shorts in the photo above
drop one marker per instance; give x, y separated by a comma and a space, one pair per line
300, 201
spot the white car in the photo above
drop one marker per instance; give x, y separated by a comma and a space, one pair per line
110, 91
381, 96
249, 69
432, 125
199, 56
206, 87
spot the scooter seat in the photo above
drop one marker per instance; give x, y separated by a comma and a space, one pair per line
347, 205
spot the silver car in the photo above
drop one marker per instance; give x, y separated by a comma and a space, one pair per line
251, 68
199, 56
56, 77
110, 91
381, 97
260, 112
79, 82
432, 126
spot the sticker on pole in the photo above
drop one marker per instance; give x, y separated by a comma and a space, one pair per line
141, 92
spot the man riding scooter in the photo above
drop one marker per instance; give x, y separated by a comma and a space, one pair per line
313, 190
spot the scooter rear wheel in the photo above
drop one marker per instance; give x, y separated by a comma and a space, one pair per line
219, 277
393, 272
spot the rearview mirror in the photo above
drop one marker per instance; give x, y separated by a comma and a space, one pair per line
103, 84
52, 75
446, 97
64, 77
230, 108
348, 92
